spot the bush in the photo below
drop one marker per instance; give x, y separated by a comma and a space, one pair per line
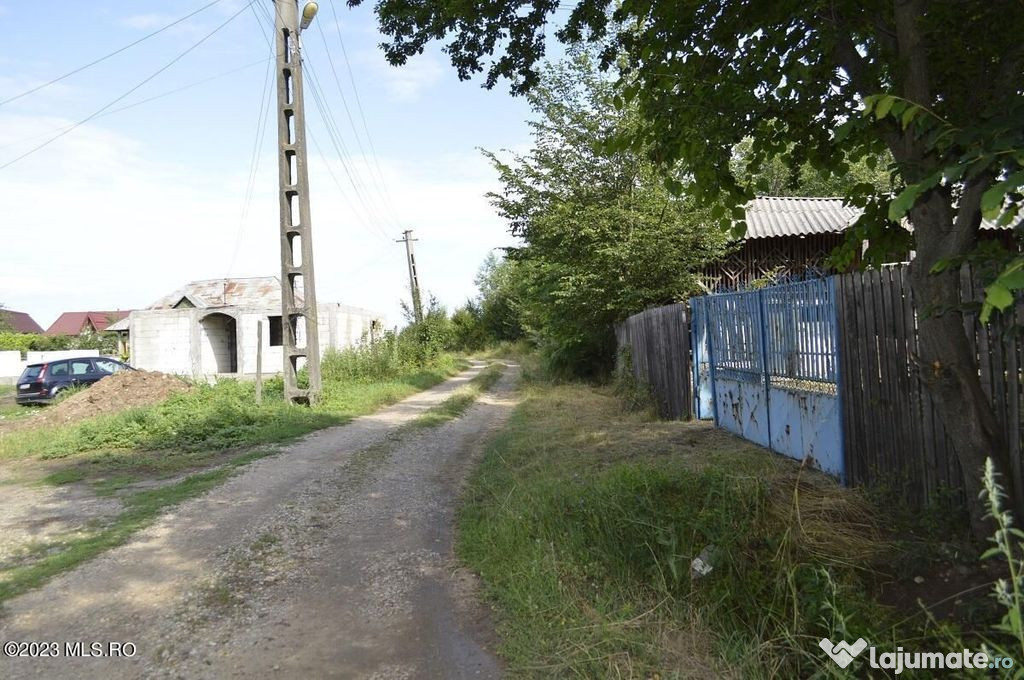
106, 343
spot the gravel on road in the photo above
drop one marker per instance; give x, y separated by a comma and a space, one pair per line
331, 559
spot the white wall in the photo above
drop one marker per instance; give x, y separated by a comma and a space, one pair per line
11, 366
54, 355
176, 341
161, 340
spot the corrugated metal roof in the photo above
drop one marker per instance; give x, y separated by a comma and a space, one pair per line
770, 216
773, 216
260, 291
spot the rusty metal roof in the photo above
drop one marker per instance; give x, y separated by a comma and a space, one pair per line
260, 291
773, 216
770, 216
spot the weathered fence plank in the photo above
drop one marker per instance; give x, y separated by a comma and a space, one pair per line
892, 434
658, 342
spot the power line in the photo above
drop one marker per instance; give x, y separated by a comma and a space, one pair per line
108, 56
369, 216
96, 113
339, 147
254, 161
144, 101
377, 182
359, 103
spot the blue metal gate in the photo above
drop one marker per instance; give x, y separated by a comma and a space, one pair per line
766, 367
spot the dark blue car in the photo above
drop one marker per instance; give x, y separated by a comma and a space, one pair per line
41, 383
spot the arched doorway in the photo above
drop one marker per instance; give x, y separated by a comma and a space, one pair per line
218, 343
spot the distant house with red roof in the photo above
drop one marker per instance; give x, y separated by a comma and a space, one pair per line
77, 323
19, 322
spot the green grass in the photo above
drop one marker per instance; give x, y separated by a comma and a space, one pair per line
141, 509
200, 427
206, 434
464, 397
583, 518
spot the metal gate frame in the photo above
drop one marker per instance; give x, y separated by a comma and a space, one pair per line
767, 360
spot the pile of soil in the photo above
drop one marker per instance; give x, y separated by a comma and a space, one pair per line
114, 393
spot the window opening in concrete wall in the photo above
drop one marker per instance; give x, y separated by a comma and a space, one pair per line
276, 331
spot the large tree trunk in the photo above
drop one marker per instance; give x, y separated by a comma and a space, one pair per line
947, 363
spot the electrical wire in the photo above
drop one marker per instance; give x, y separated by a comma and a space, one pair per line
369, 217
359, 105
378, 180
99, 111
143, 101
254, 159
111, 54
338, 143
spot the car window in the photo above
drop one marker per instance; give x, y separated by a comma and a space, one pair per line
80, 366
31, 372
58, 369
108, 366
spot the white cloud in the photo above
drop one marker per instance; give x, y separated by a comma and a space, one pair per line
95, 221
146, 21
408, 82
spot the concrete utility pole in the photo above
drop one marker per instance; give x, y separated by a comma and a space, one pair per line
414, 282
298, 291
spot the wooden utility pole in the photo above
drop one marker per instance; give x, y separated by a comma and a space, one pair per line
414, 282
259, 362
298, 291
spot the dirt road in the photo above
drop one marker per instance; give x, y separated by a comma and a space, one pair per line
330, 559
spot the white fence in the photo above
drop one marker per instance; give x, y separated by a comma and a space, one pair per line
11, 363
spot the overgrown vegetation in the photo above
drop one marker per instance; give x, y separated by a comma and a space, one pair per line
106, 343
603, 235
583, 520
193, 428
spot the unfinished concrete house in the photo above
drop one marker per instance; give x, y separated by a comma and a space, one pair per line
209, 328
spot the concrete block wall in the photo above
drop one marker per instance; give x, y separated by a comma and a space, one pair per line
177, 341
273, 357
161, 340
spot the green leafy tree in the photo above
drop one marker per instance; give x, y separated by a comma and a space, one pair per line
604, 237
500, 299
818, 82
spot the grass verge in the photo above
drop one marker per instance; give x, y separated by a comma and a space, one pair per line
205, 426
141, 509
464, 397
583, 519
208, 432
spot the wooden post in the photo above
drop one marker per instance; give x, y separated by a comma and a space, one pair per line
259, 361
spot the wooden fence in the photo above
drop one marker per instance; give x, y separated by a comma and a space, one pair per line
658, 342
892, 433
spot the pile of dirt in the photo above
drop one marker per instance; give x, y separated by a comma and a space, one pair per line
114, 393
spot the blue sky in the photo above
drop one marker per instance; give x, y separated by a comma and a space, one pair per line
130, 206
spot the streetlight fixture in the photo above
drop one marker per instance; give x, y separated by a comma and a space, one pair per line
308, 12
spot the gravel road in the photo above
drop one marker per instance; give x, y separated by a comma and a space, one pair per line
330, 559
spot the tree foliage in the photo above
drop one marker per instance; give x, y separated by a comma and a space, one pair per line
603, 236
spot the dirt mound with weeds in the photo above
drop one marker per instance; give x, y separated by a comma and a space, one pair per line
117, 392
